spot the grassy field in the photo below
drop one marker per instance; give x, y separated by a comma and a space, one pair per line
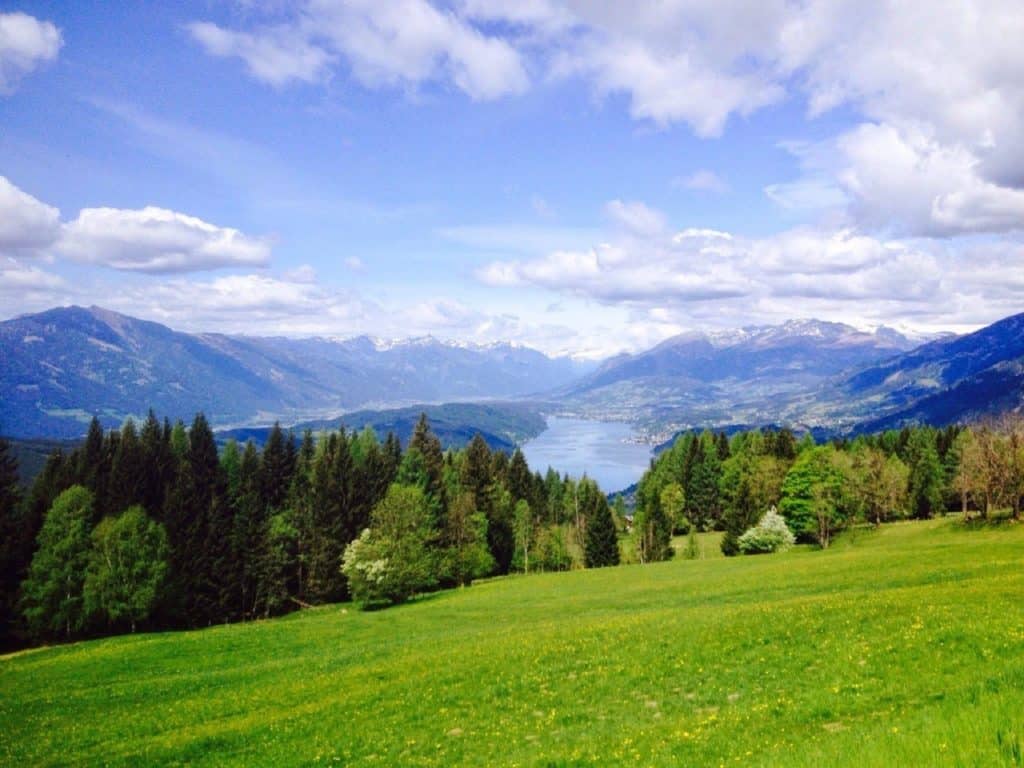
901, 647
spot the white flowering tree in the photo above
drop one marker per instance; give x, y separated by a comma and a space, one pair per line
771, 534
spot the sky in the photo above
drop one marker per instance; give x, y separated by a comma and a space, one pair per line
581, 176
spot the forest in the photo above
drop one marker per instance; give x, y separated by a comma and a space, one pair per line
708, 481
154, 527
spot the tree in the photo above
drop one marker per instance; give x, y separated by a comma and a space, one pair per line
655, 521
925, 474
751, 483
602, 541
880, 483
499, 507
771, 534
702, 500
552, 554
127, 567
464, 542
524, 531
12, 549
52, 601
814, 494
692, 551
392, 560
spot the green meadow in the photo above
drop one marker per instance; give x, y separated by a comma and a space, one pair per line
896, 647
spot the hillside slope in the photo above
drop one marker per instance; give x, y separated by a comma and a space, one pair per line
903, 647
946, 381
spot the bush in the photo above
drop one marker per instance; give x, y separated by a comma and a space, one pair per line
771, 534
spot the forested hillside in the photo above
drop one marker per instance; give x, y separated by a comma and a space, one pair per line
154, 527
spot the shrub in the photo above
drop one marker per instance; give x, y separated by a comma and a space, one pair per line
771, 534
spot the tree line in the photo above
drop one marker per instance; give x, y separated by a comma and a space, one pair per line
709, 481
154, 526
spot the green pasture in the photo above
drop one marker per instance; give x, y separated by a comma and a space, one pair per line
902, 646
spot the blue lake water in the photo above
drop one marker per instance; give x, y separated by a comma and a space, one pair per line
597, 448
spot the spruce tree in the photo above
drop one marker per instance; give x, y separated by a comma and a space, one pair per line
602, 541
926, 476
11, 544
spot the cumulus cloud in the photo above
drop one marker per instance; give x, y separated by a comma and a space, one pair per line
25, 44
385, 43
27, 226
938, 94
701, 276
157, 240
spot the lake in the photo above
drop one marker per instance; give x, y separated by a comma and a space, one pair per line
598, 448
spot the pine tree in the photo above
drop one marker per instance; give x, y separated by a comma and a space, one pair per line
602, 541
11, 545
702, 502
158, 462
276, 468
925, 474
128, 471
475, 476
520, 482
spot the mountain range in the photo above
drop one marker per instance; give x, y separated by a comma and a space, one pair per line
742, 376
59, 367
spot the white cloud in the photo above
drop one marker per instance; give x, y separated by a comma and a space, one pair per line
386, 43
635, 217
946, 84
901, 180
907, 181
27, 226
25, 44
355, 264
668, 86
278, 55
27, 288
702, 181
18, 278
708, 277
157, 240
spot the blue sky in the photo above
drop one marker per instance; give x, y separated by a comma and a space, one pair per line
568, 175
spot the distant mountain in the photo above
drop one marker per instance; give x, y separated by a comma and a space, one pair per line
946, 381
502, 425
59, 367
740, 376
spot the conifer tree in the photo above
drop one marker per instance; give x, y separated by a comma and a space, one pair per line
926, 476
11, 545
128, 471
602, 542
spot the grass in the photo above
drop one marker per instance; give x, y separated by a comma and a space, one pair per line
904, 646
